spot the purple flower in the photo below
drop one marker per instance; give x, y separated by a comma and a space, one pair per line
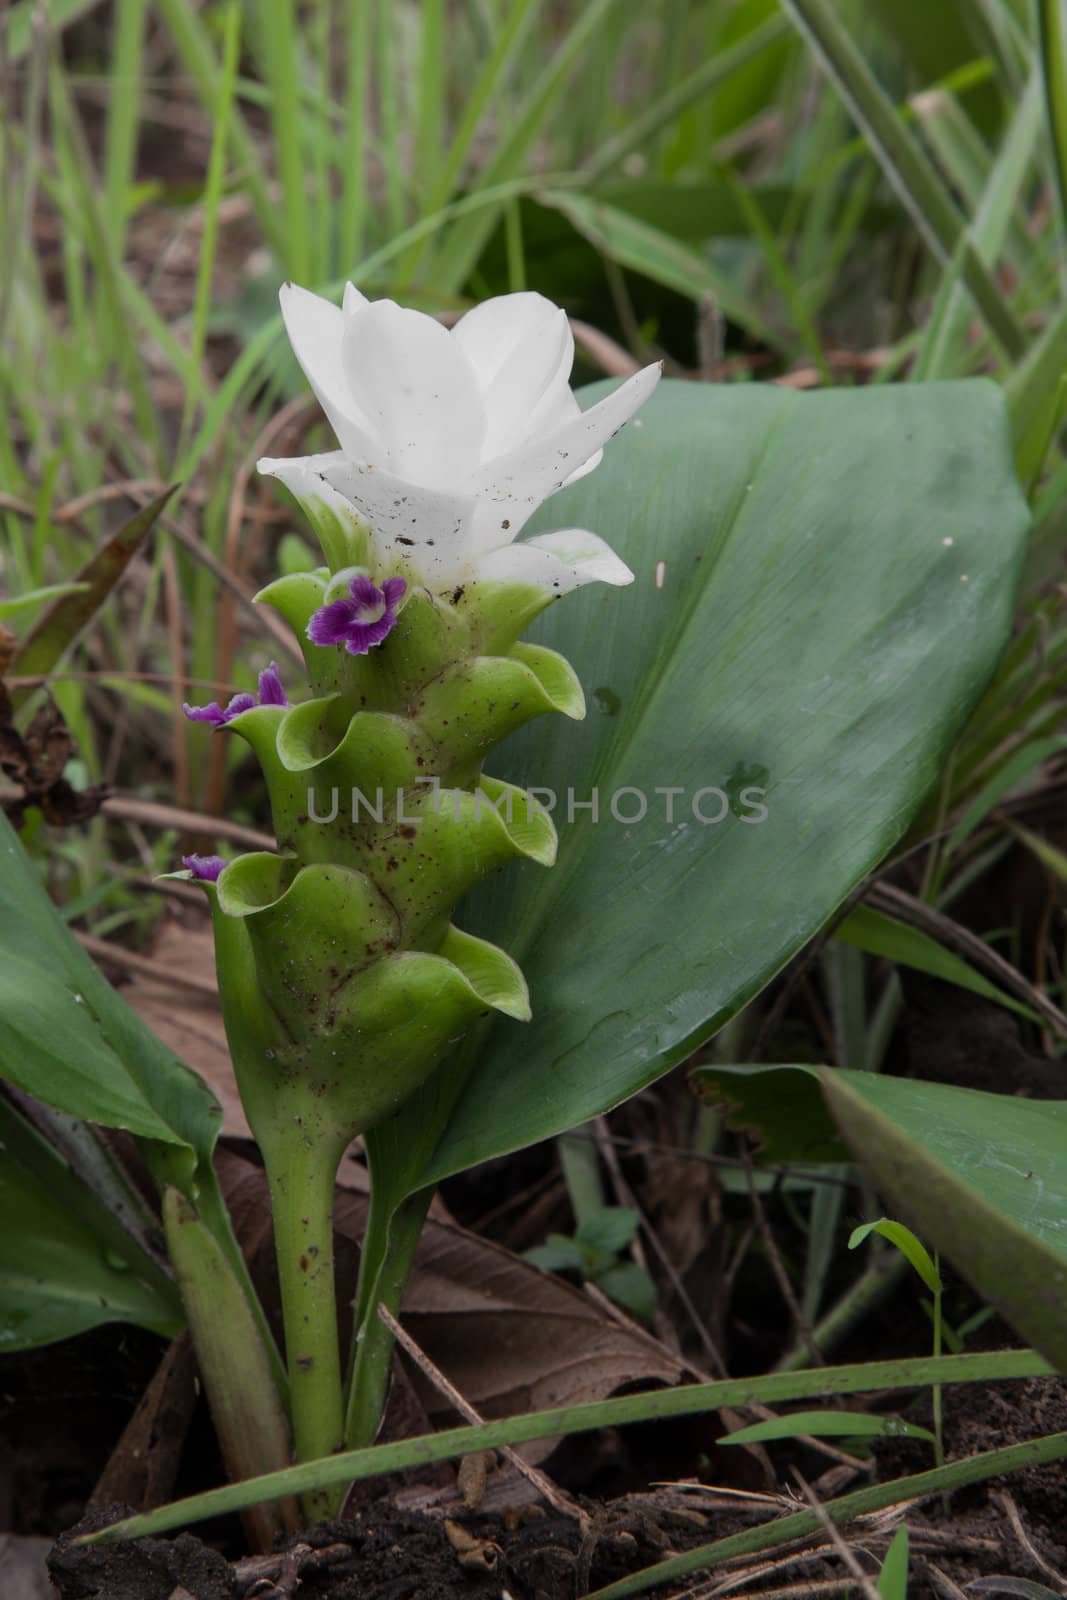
271, 693
361, 621
206, 868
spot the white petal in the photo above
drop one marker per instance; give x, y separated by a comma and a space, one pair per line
537, 370
411, 381
557, 406
315, 326
586, 552
353, 299
557, 561
490, 334
528, 475
303, 478
418, 531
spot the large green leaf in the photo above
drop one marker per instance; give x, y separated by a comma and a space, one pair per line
823, 584
66, 1263
69, 1039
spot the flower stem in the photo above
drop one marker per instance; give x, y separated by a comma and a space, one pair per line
301, 1180
388, 1253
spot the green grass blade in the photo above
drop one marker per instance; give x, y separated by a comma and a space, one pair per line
1031, 392
827, 1425
629, 242
982, 1367
955, 1475
904, 162
124, 105
195, 47
83, 187
430, 102
20, 22
664, 111
942, 353
277, 43
892, 1581
462, 249
213, 188
352, 153
389, 112
781, 273
1052, 45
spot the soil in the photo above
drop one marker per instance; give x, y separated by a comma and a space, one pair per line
385, 1553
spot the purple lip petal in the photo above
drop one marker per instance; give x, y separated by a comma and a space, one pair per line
330, 624
212, 713
366, 594
271, 693
239, 703
362, 636
271, 689
362, 621
205, 868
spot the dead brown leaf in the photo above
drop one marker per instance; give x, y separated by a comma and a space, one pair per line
35, 761
143, 1467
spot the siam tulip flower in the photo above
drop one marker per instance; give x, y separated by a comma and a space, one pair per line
451, 439
271, 693
345, 983
361, 621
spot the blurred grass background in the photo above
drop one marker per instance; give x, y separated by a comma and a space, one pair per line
811, 191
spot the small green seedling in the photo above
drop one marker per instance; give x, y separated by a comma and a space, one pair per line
892, 1583
928, 1268
594, 1252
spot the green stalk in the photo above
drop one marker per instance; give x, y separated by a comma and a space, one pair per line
388, 1253
301, 1177
939, 1434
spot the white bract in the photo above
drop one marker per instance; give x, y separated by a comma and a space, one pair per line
451, 439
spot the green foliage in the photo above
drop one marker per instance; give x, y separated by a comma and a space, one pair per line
686, 690
892, 1583
652, 1406
980, 1176
906, 1242
67, 1262
827, 1425
68, 1038
593, 1253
